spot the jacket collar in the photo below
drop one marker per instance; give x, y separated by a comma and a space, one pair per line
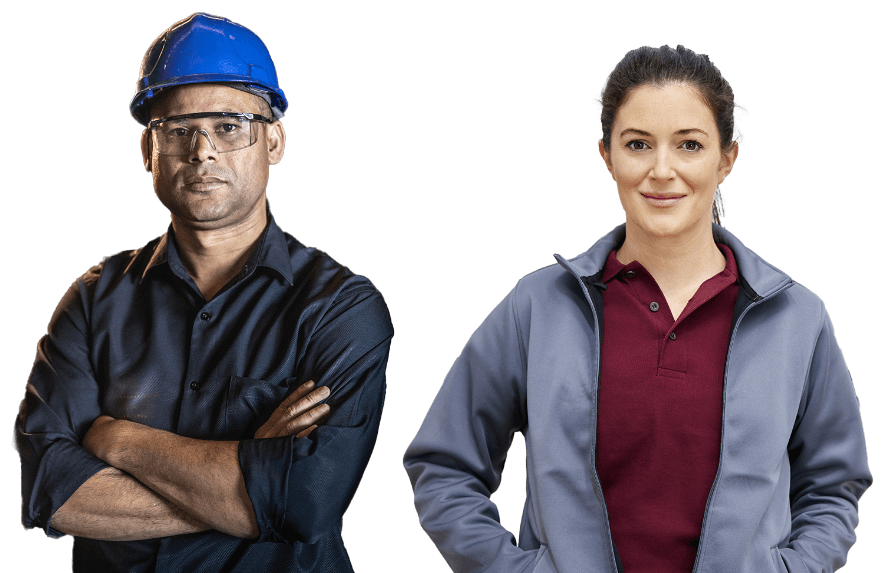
271, 252
759, 278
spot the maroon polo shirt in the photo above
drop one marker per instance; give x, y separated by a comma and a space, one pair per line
659, 412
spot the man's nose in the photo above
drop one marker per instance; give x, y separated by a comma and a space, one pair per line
202, 148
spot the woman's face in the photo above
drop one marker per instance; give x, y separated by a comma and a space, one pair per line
666, 159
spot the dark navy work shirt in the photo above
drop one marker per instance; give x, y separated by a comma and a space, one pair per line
133, 338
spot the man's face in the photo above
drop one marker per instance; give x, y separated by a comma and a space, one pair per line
206, 189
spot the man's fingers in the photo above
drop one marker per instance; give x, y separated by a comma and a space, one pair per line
307, 419
309, 401
297, 412
306, 432
290, 403
284, 410
298, 393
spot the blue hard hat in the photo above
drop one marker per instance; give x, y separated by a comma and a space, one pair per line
207, 49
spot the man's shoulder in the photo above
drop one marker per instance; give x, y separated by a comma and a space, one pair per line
122, 265
335, 290
317, 269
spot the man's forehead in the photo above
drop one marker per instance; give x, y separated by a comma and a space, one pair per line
196, 98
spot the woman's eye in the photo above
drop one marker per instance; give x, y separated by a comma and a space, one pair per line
691, 146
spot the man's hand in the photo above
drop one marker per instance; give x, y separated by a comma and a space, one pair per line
298, 414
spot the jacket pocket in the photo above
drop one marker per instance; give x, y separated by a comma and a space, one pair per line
788, 561
543, 561
250, 402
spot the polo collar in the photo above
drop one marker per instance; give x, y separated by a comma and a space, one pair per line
614, 268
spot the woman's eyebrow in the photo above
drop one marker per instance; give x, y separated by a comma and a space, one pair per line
634, 131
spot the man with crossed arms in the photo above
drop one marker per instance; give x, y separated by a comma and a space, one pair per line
171, 421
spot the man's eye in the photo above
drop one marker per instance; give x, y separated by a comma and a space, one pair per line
227, 128
692, 145
178, 132
636, 145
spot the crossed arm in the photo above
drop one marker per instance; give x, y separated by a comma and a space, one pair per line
163, 484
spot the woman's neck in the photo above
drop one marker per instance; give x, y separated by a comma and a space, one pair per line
679, 265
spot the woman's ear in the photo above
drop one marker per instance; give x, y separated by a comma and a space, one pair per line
605, 155
728, 158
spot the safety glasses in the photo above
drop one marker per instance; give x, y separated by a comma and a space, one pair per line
225, 131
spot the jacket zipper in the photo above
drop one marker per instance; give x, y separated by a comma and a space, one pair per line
702, 531
597, 482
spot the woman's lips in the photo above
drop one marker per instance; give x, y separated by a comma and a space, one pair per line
662, 200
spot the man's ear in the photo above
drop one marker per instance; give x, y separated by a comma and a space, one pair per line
275, 142
146, 154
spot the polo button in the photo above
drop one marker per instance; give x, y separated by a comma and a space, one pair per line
672, 336
630, 274
654, 306
205, 316
194, 385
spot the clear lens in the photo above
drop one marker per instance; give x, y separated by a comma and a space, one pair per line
224, 131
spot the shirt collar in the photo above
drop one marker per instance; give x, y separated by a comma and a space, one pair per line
756, 275
271, 252
614, 268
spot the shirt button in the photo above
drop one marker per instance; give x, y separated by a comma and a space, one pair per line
672, 336
654, 306
205, 316
630, 274
194, 385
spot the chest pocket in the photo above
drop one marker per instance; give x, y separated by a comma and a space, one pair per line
250, 402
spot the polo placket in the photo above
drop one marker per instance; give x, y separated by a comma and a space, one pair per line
660, 412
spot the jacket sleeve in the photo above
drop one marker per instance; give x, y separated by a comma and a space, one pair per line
456, 460
829, 463
300, 487
61, 401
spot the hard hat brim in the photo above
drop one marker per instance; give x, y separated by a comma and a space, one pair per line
140, 105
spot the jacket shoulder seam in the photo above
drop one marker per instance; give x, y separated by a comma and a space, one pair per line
518, 331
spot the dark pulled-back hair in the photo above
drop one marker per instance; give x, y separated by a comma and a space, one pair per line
663, 66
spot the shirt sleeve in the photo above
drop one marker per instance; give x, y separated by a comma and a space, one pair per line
300, 487
829, 463
61, 401
456, 460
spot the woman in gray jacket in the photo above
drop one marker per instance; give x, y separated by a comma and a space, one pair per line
684, 404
